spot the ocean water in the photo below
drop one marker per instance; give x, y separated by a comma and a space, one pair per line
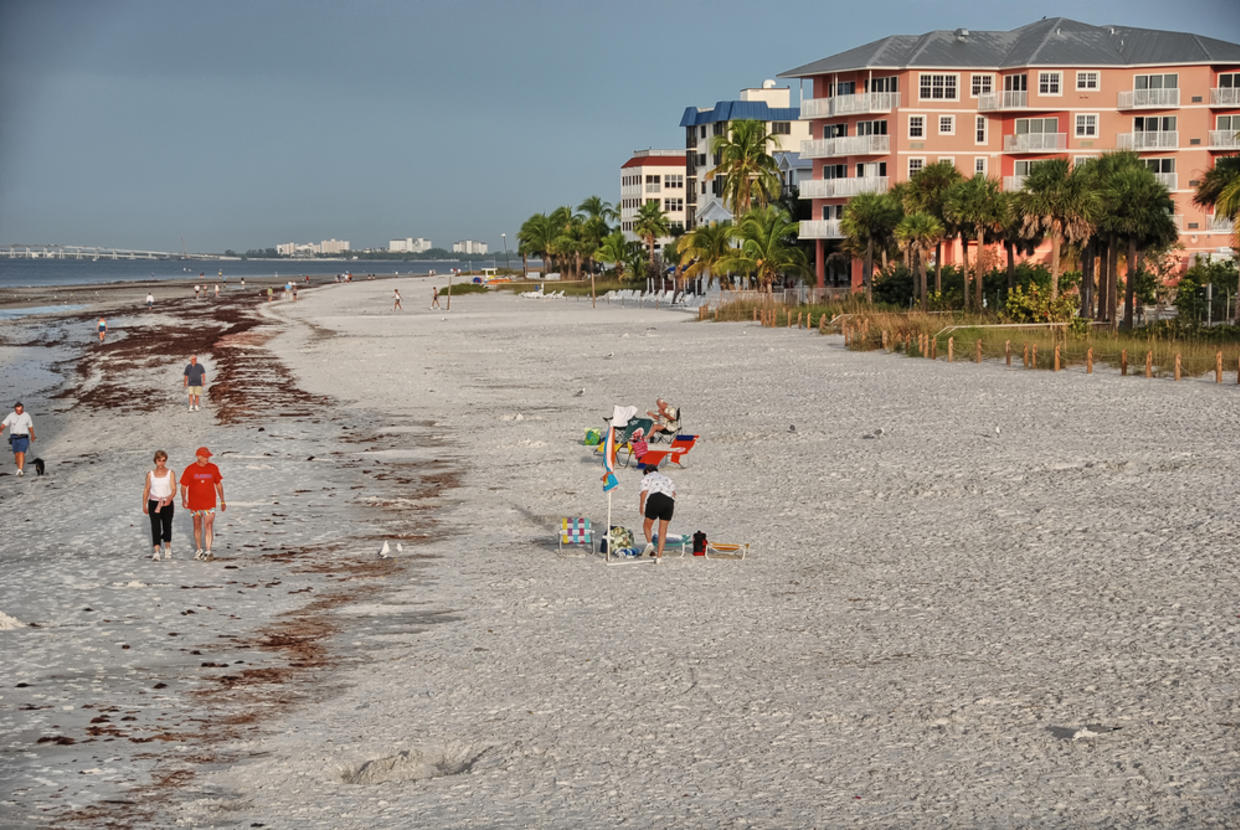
37, 272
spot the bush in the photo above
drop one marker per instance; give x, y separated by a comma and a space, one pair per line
1036, 306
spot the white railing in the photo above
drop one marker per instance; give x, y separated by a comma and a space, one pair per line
1150, 140
836, 188
1178, 220
1221, 224
857, 145
1013, 183
821, 229
1034, 142
1149, 98
1167, 180
1226, 96
1009, 99
864, 102
1224, 138
815, 108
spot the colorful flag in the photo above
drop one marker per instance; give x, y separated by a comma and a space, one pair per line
619, 419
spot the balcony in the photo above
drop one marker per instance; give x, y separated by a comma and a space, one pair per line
1167, 180
1155, 99
821, 229
1009, 99
1035, 142
857, 145
1224, 140
1221, 224
1149, 140
1227, 96
1013, 183
866, 102
842, 188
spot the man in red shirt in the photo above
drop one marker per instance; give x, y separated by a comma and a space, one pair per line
200, 483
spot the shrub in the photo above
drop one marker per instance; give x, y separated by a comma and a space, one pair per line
1036, 306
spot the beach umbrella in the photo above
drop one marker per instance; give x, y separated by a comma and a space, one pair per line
620, 416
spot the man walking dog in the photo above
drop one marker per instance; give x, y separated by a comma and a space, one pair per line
21, 433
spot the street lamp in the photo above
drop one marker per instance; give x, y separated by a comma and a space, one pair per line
504, 237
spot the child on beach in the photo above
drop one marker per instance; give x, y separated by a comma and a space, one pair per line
157, 496
396, 300
103, 328
434, 296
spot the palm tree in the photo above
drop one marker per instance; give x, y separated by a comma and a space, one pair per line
1056, 200
1014, 236
768, 247
920, 232
705, 247
974, 205
749, 172
615, 250
927, 190
1220, 188
651, 223
535, 238
1139, 209
868, 222
595, 208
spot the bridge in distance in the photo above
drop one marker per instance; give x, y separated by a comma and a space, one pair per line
94, 252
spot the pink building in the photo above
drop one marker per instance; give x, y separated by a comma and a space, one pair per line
999, 102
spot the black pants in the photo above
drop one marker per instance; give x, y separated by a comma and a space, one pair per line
161, 521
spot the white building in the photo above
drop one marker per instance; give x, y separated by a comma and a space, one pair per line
469, 246
328, 247
653, 176
409, 245
770, 104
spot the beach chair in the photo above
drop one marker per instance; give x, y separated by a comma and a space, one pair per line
576, 531
675, 452
725, 550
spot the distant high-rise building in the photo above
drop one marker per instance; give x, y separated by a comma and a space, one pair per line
469, 246
409, 245
328, 247
653, 176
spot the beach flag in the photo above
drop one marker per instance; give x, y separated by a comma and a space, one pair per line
619, 418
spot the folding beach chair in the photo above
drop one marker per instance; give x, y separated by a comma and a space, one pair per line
576, 531
722, 550
676, 452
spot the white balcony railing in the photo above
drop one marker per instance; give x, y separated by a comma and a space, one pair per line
1167, 180
1227, 96
857, 145
1224, 138
858, 104
837, 188
821, 229
1132, 99
1013, 183
1221, 224
1009, 99
1035, 142
1157, 140
1177, 219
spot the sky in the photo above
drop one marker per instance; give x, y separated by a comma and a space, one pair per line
200, 126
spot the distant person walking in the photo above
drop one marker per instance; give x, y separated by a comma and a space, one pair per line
200, 484
270, 293
396, 300
21, 434
157, 504
657, 501
435, 296
103, 329
194, 379
217, 291
197, 291
150, 301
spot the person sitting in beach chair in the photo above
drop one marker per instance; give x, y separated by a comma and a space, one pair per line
666, 421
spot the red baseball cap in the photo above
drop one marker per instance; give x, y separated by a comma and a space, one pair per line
203, 451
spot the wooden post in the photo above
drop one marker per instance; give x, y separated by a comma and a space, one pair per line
1149, 364
755, 314
951, 349
1056, 357
1123, 363
1025, 357
1033, 357
716, 314
1007, 352
934, 348
884, 339
1177, 365
822, 323
1218, 367
1089, 361
979, 352
798, 319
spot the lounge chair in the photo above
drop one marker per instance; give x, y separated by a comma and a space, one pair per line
576, 531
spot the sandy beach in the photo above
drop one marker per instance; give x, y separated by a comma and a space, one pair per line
977, 596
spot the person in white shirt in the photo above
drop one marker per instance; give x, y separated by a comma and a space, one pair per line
657, 501
21, 434
157, 498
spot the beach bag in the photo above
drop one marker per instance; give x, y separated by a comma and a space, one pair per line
699, 544
619, 539
593, 438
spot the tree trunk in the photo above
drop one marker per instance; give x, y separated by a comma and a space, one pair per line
869, 268
964, 267
1113, 290
1055, 243
921, 278
977, 269
938, 269
1087, 277
525, 267
1130, 285
1010, 250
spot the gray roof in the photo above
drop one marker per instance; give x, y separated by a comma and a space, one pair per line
1054, 41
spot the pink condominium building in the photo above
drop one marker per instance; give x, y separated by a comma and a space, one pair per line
999, 102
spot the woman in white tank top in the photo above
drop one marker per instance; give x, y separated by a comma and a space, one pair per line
157, 501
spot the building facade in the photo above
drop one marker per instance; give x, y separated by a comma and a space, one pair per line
469, 246
997, 103
653, 176
328, 247
769, 104
409, 245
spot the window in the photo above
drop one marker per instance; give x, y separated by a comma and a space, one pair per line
834, 171
981, 85
914, 165
1023, 168
671, 205
1037, 125
869, 171
1016, 83
1229, 123
947, 125
1153, 124
935, 87
872, 127
887, 84
979, 130
1086, 125
676, 180
1167, 81
917, 126
1160, 165
1048, 83
702, 134
1229, 80
834, 130
949, 159
846, 88
979, 164
701, 158
1087, 81
652, 184
830, 212
781, 128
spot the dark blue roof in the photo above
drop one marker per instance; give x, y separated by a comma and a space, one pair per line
738, 110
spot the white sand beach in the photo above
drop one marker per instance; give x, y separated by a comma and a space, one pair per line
976, 595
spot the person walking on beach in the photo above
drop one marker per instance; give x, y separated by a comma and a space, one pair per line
150, 300
197, 290
217, 291
103, 328
21, 434
200, 484
657, 501
434, 296
194, 378
157, 497
396, 300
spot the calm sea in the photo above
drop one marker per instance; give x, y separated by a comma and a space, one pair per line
35, 272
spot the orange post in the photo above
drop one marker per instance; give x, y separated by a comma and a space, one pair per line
979, 352
1089, 361
1177, 365
934, 348
1007, 352
1149, 364
951, 349
1218, 367
1123, 363
1056, 357
1025, 357
1033, 358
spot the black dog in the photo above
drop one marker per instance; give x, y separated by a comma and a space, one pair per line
38, 466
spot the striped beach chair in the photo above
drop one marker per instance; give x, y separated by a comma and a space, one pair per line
576, 531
